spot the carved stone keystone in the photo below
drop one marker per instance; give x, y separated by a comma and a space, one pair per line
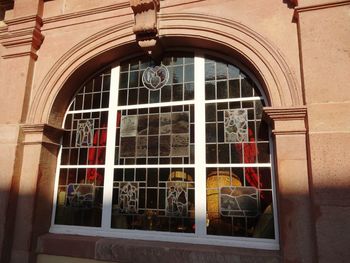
145, 27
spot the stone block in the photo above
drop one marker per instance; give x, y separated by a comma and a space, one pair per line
67, 245
42, 258
330, 168
291, 147
325, 53
333, 234
329, 117
138, 251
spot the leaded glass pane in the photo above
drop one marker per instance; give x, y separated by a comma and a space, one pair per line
155, 138
154, 165
94, 94
153, 198
160, 199
144, 81
239, 199
80, 189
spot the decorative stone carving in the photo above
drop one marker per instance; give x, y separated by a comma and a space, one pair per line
41, 134
290, 120
22, 37
145, 27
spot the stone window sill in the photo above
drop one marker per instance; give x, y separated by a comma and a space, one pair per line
128, 250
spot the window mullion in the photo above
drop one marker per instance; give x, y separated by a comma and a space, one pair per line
110, 148
200, 179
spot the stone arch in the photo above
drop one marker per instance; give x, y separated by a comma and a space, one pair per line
189, 30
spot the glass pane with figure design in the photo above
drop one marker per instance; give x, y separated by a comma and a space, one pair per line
83, 154
146, 196
239, 200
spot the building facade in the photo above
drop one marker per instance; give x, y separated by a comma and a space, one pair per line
174, 131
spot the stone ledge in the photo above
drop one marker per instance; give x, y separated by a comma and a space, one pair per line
67, 245
128, 250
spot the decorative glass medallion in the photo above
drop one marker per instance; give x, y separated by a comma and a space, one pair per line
236, 125
155, 78
85, 133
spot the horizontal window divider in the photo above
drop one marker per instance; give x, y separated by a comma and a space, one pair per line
156, 166
233, 100
95, 92
154, 105
168, 84
83, 166
223, 79
232, 143
238, 165
87, 111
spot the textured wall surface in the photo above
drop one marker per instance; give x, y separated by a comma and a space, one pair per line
300, 52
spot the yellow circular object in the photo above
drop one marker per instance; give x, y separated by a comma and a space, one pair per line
215, 181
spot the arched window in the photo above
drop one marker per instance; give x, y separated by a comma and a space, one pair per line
174, 150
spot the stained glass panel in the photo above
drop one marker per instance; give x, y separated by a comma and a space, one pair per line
143, 134
235, 134
154, 199
153, 150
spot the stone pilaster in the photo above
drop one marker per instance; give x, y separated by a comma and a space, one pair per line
21, 38
324, 37
292, 182
30, 210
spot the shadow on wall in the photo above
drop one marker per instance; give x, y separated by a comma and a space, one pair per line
333, 235
28, 214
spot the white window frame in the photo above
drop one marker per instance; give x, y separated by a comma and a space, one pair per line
200, 236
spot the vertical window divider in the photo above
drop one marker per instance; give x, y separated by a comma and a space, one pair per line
57, 180
200, 169
274, 187
110, 149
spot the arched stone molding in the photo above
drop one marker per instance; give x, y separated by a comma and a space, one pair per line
192, 30
258, 53
53, 91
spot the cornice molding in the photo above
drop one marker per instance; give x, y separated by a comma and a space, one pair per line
286, 121
291, 132
31, 54
21, 38
3, 29
24, 19
41, 134
105, 9
92, 11
285, 114
314, 7
28, 37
